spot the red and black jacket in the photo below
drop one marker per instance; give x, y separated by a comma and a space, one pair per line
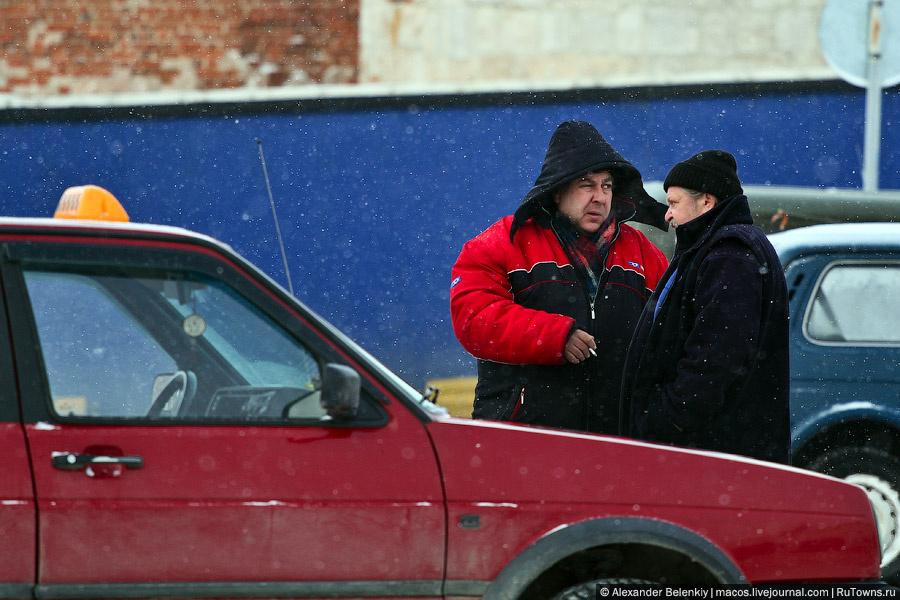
513, 305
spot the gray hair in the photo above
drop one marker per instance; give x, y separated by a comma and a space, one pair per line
695, 194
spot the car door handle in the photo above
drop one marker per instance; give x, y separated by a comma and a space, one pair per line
73, 462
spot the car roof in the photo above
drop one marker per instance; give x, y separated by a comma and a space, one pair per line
835, 236
102, 229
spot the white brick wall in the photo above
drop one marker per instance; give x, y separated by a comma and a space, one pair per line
588, 42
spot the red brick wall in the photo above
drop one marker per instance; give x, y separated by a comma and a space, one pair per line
50, 47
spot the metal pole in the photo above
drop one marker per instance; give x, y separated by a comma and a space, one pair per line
872, 149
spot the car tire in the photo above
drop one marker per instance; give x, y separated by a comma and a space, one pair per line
588, 590
878, 472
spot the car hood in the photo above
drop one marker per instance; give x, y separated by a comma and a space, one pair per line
504, 462
774, 522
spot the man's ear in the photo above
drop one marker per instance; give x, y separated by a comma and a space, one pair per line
709, 200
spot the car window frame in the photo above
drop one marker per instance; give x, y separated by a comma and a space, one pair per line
64, 256
814, 291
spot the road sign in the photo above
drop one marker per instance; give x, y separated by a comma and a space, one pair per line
845, 35
859, 40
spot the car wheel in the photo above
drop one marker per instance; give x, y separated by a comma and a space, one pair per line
878, 472
588, 590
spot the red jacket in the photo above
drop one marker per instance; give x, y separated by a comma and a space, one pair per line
513, 305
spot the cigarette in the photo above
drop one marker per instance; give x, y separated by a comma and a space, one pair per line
591, 350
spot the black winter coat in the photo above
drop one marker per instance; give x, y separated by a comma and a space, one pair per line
711, 369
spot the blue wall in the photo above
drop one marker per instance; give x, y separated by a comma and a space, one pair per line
375, 199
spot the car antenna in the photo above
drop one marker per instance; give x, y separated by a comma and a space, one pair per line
287, 270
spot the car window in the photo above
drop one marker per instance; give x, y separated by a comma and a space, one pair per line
856, 303
166, 344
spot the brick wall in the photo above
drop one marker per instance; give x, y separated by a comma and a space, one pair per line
58, 47
53, 47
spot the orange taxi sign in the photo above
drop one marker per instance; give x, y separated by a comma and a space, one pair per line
90, 202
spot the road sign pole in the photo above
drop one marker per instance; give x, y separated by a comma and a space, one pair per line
861, 41
872, 144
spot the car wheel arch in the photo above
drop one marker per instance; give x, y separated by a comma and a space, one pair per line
849, 429
562, 543
866, 454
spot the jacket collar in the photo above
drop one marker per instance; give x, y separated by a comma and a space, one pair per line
730, 211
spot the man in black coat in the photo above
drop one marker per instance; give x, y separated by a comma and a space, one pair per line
708, 366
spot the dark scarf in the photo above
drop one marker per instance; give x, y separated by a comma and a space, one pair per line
588, 255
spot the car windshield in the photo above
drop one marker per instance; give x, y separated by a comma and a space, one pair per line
237, 339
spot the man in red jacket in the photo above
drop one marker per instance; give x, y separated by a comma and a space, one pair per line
547, 299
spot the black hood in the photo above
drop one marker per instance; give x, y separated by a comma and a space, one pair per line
576, 148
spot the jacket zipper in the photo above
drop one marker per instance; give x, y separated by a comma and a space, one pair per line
592, 301
519, 404
601, 283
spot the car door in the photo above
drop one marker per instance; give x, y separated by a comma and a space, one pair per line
17, 506
845, 329
171, 409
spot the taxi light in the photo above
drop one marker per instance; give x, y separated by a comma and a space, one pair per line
89, 202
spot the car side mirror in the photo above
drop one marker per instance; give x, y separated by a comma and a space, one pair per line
340, 392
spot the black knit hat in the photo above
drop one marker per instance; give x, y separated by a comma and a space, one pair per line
577, 148
710, 171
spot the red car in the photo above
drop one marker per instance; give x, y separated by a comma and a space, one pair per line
175, 424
